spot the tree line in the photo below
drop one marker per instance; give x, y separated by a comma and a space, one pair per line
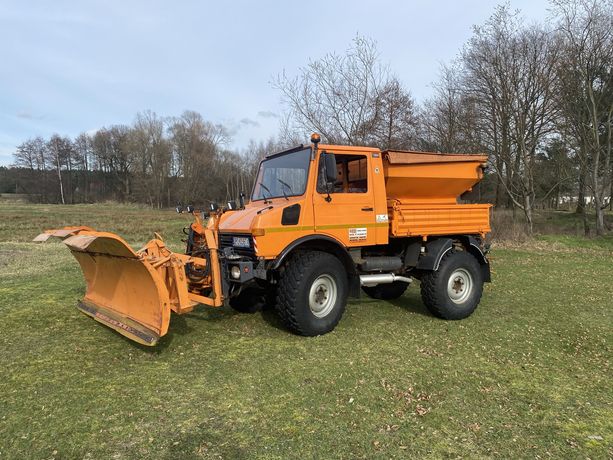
158, 161
537, 98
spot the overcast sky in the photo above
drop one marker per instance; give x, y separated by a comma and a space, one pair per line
69, 67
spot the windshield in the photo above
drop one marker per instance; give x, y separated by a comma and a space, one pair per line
283, 175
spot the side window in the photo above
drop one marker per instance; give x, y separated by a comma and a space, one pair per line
351, 177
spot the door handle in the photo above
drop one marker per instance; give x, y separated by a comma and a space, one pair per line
367, 209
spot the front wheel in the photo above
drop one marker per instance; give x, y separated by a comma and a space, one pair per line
312, 293
454, 290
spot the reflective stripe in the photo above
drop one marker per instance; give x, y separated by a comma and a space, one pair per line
369, 225
324, 227
286, 229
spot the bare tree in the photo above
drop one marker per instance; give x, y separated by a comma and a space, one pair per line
83, 154
486, 61
342, 96
196, 144
510, 75
83, 151
533, 83
448, 120
586, 92
555, 174
394, 122
153, 152
60, 151
114, 149
289, 135
29, 153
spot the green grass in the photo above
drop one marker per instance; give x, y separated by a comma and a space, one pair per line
528, 375
604, 243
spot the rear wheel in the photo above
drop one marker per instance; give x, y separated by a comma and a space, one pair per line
386, 291
312, 293
454, 290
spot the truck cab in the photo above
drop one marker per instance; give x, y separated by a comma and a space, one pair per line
291, 200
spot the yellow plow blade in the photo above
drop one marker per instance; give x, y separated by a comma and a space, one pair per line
124, 290
134, 292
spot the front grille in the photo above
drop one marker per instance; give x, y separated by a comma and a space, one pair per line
226, 240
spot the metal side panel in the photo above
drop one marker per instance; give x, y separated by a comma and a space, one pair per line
451, 219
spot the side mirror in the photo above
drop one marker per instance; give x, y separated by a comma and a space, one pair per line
330, 167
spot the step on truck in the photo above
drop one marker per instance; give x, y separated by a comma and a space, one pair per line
324, 223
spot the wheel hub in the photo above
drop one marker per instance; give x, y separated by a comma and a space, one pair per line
322, 295
460, 286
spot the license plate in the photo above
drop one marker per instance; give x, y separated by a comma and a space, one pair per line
240, 242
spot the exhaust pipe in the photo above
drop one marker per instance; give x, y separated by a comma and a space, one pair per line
382, 278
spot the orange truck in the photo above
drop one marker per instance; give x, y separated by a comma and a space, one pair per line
324, 223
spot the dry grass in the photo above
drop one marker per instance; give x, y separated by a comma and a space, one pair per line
513, 228
506, 227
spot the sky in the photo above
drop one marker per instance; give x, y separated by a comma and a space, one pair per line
71, 67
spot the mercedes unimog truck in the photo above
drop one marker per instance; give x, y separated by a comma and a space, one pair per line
323, 223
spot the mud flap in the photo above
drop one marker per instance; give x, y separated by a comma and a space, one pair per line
124, 291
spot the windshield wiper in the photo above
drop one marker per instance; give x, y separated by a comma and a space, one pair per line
288, 186
268, 190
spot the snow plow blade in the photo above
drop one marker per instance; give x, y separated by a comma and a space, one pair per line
123, 291
131, 292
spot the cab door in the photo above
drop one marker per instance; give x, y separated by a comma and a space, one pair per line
347, 211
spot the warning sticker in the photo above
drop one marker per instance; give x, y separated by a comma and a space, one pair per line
358, 234
381, 218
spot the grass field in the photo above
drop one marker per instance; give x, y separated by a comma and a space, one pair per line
528, 375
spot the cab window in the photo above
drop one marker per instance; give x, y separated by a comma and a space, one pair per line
351, 175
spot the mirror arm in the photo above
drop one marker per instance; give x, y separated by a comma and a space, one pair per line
328, 198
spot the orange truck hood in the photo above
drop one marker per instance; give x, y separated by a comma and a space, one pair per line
244, 220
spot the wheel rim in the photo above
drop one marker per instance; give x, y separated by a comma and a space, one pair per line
459, 286
322, 296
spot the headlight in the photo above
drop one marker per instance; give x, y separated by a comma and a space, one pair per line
235, 272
